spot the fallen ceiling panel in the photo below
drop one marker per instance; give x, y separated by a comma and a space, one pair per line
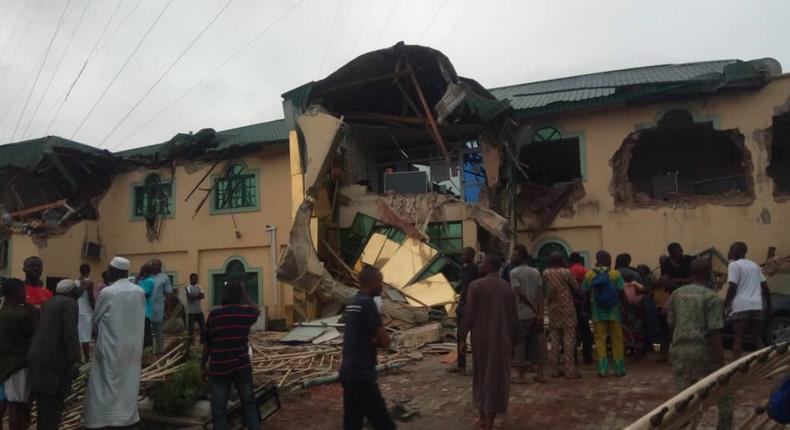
408, 262
433, 291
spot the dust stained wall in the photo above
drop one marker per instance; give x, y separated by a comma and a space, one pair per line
596, 222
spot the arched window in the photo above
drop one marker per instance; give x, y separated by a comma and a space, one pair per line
552, 159
236, 189
153, 197
545, 251
235, 270
545, 134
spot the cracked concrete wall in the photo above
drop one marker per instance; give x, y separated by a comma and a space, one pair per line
596, 221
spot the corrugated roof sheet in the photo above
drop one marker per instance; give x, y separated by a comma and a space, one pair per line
27, 154
262, 133
596, 85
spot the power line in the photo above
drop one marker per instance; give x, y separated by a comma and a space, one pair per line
386, 23
7, 12
12, 33
84, 65
22, 40
57, 65
340, 31
40, 68
123, 66
362, 27
214, 70
115, 31
329, 39
173, 64
430, 24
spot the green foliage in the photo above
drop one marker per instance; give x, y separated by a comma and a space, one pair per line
180, 392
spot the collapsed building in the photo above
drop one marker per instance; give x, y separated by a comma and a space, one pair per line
397, 161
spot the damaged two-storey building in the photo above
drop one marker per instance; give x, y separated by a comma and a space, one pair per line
397, 161
694, 153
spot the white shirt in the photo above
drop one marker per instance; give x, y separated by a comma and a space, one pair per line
114, 382
748, 276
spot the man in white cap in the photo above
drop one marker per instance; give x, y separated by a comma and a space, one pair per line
54, 354
114, 383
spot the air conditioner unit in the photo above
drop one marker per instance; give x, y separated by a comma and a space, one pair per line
415, 182
91, 250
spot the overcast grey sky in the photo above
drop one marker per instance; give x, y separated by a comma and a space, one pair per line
495, 42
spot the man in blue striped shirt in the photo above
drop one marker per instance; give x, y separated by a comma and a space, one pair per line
226, 352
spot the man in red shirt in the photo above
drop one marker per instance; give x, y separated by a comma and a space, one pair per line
34, 289
582, 308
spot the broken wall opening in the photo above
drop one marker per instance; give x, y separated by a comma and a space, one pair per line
779, 161
407, 161
682, 159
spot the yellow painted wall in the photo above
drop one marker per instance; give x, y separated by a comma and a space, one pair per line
185, 245
62, 255
645, 232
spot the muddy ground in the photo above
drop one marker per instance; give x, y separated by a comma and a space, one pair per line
445, 401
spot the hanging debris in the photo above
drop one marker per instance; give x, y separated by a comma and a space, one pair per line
49, 184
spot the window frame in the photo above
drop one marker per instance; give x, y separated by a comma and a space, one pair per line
133, 216
560, 135
247, 269
256, 179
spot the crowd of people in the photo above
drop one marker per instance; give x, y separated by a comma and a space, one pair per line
503, 309
45, 337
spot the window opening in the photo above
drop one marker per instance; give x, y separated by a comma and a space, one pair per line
235, 270
236, 190
152, 198
545, 251
5, 246
552, 159
779, 164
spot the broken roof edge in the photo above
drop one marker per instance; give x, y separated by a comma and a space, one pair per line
27, 154
210, 144
366, 68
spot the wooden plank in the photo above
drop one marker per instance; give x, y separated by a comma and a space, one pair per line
428, 114
384, 117
36, 209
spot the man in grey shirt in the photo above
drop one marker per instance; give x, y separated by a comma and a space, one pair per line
194, 310
528, 284
162, 289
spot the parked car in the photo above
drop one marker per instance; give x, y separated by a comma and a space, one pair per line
777, 323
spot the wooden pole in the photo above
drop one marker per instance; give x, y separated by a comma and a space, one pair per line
428, 114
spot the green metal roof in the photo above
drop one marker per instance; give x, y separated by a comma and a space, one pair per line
631, 85
27, 154
265, 133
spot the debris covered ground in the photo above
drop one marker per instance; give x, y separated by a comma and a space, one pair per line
438, 400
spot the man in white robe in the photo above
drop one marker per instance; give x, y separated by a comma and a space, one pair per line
114, 383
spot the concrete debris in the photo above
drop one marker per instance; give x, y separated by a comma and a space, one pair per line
538, 205
417, 337
320, 131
